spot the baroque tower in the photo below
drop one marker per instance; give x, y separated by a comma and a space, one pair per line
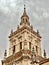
25, 38
24, 43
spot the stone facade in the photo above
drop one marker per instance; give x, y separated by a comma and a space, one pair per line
24, 45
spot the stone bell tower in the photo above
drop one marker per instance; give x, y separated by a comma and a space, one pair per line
21, 43
25, 38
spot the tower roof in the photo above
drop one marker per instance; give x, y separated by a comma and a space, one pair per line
25, 18
24, 13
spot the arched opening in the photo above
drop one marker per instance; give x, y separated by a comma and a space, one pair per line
30, 45
36, 49
20, 45
14, 49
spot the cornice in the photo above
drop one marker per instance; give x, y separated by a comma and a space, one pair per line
19, 56
16, 56
23, 28
44, 61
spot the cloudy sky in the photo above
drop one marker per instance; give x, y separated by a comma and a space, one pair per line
10, 13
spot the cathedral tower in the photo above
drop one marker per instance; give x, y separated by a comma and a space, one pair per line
24, 38
21, 43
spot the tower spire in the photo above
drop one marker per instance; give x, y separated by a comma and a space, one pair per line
24, 10
24, 13
25, 17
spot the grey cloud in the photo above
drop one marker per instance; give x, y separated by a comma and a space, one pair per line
10, 13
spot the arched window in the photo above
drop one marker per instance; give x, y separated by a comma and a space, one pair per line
20, 45
36, 49
23, 19
26, 20
14, 49
30, 45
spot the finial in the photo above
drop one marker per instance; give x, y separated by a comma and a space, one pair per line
37, 31
44, 53
31, 27
18, 27
24, 6
24, 9
5, 53
11, 31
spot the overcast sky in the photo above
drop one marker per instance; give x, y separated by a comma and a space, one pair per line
10, 13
